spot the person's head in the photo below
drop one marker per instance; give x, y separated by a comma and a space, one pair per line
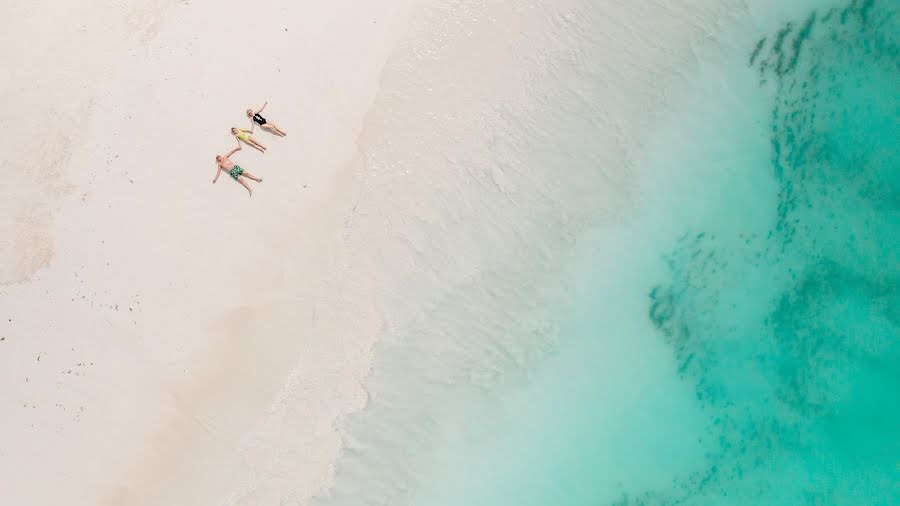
218, 158
249, 112
233, 131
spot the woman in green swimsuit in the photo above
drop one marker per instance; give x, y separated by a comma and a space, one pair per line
224, 164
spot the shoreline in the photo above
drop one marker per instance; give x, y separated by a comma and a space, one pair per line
489, 229
205, 375
187, 344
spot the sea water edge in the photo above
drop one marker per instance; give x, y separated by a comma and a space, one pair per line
725, 331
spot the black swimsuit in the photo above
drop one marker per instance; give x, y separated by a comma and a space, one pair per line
259, 119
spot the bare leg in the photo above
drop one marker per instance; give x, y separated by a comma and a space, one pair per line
257, 145
251, 176
249, 143
280, 131
253, 145
244, 184
273, 129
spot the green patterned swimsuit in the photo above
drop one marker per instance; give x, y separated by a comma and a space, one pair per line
236, 171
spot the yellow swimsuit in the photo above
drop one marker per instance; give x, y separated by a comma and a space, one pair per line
242, 135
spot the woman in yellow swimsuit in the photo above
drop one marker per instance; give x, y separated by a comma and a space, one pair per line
244, 135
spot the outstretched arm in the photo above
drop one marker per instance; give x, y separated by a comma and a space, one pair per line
252, 125
233, 151
218, 171
263, 107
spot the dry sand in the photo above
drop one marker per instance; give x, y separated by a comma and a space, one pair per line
166, 340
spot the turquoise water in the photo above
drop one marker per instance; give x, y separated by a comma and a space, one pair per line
790, 338
736, 340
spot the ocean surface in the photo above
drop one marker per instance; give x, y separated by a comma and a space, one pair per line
699, 306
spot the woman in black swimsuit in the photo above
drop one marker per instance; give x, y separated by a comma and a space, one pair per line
265, 125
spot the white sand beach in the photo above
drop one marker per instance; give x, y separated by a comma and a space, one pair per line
143, 348
167, 341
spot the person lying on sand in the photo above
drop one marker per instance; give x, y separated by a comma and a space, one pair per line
234, 170
244, 135
268, 126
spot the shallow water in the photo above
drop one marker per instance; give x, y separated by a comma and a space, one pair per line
714, 320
